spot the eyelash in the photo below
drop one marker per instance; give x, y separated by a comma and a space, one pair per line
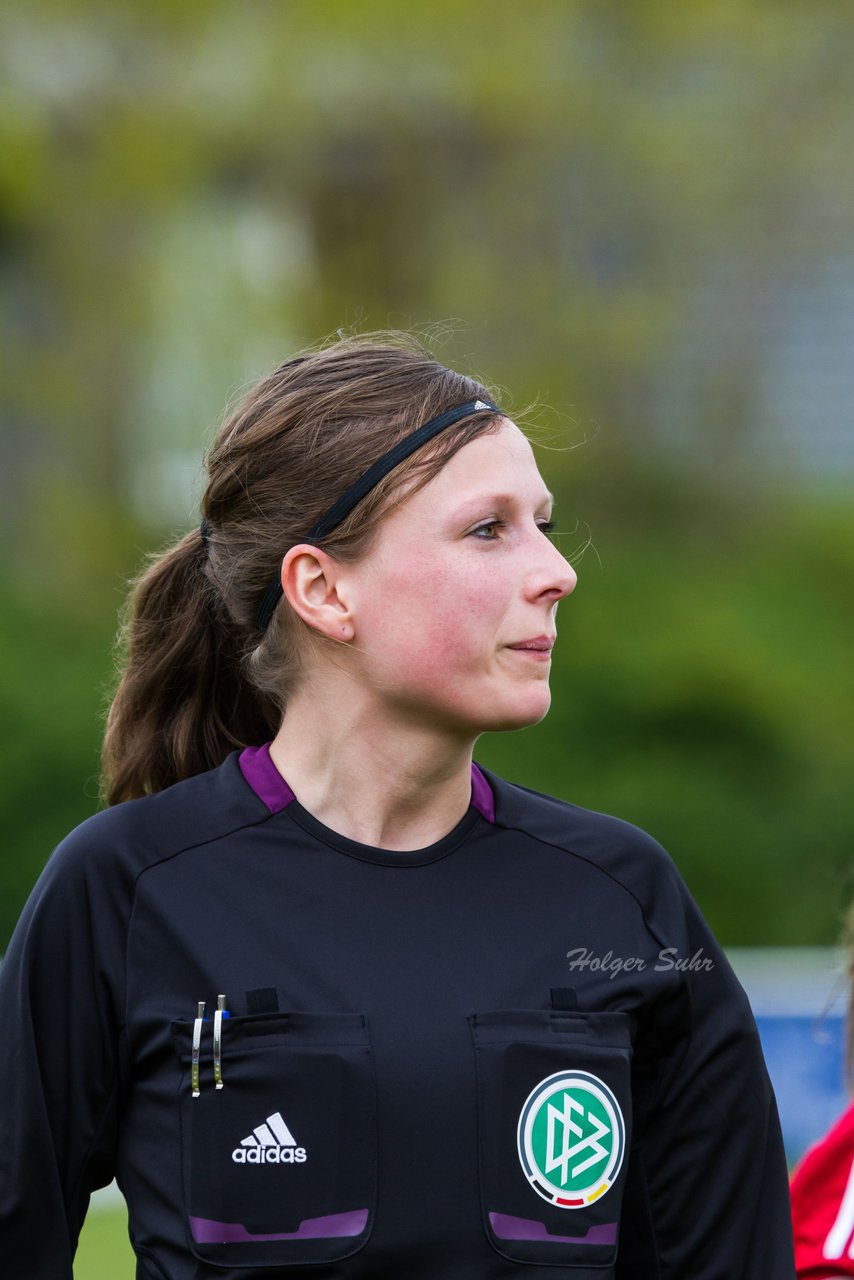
547, 526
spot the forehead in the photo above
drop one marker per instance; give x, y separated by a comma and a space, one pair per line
499, 462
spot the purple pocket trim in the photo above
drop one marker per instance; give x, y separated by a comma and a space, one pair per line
509, 1228
352, 1223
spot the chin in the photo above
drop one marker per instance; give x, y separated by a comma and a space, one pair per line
502, 720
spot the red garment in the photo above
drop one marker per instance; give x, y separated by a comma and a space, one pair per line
822, 1191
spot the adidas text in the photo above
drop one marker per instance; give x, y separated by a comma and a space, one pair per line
268, 1155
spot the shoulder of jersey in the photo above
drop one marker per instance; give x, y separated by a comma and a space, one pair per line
620, 848
137, 833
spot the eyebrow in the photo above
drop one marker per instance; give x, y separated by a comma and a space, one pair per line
499, 499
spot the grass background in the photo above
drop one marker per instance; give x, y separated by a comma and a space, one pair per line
104, 1252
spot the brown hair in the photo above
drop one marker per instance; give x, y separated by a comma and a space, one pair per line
196, 677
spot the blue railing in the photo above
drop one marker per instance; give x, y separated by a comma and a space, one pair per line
799, 998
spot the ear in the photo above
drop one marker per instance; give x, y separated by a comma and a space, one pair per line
315, 586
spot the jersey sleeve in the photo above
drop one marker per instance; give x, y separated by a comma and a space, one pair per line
823, 1205
710, 1157
60, 1059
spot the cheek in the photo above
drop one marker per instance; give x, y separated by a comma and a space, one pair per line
434, 623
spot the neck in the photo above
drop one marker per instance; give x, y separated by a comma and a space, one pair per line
371, 776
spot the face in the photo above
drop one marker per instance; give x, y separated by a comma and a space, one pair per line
461, 572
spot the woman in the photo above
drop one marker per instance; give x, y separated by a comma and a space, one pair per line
326, 996
823, 1184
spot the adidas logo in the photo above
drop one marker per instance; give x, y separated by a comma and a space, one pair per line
271, 1143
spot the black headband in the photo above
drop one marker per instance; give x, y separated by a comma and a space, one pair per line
345, 504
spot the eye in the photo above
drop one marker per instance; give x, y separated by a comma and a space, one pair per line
490, 524
547, 527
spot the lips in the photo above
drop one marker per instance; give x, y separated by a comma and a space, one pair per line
541, 644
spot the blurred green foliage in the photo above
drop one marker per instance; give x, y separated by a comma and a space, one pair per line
702, 689
614, 209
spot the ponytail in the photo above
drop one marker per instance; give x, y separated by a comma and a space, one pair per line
182, 703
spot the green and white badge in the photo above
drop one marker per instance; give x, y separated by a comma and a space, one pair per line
571, 1138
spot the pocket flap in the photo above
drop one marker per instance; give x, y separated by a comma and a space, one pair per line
280, 1159
554, 1127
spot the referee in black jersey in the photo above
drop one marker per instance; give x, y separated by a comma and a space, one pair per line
325, 995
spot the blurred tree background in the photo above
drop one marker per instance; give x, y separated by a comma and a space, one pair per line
640, 216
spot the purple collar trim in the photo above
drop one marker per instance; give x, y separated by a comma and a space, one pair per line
481, 794
264, 778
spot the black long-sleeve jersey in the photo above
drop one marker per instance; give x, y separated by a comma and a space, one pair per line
515, 1049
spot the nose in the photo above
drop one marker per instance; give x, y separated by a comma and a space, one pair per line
550, 574
566, 579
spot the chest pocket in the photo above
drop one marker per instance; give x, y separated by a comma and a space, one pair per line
279, 1164
554, 1129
